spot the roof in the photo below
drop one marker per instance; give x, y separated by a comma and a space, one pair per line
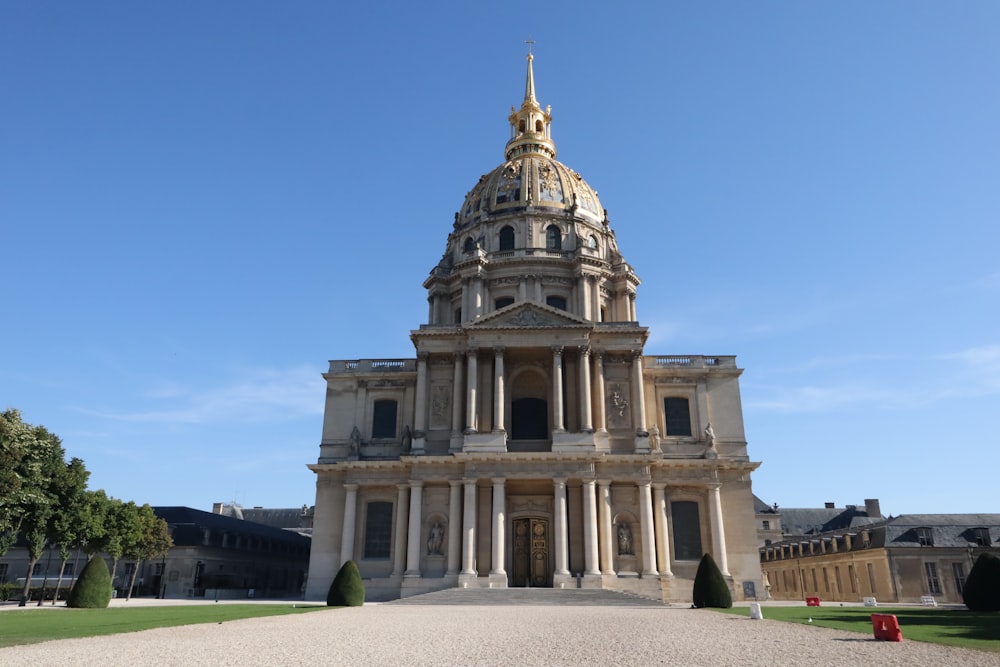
187, 524
811, 521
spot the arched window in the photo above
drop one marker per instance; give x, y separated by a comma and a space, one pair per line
538, 126
592, 242
503, 302
469, 245
507, 238
556, 302
384, 419
553, 238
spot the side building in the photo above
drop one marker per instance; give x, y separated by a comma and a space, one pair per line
532, 441
901, 559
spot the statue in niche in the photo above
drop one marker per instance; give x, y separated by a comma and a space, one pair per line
436, 539
355, 440
407, 438
618, 400
624, 540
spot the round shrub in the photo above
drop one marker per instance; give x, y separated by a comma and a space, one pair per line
982, 587
710, 588
93, 589
347, 589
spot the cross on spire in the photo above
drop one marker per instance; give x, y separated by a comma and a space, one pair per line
530, 42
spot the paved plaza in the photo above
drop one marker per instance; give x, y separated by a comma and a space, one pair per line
412, 634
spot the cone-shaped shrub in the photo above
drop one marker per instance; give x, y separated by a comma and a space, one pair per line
710, 588
347, 589
982, 587
93, 589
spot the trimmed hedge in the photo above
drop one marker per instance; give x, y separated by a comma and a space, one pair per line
982, 587
710, 587
93, 589
347, 589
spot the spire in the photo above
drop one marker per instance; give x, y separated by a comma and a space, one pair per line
529, 84
530, 130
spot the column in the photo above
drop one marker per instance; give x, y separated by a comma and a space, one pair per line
456, 397
413, 536
454, 525
586, 408
557, 390
498, 397
718, 529
631, 307
583, 298
471, 414
606, 534
477, 298
466, 299
399, 536
648, 534
522, 289
662, 536
562, 535
602, 417
499, 518
538, 289
589, 530
595, 299
420, 408
360, 405
350, 517
469, 529
638, 394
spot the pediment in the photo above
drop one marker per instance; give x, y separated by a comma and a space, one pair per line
528, 316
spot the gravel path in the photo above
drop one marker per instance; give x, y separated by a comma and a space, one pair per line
495, 635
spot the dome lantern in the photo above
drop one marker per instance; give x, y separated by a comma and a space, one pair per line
530, 127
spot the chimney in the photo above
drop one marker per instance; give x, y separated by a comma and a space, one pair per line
872, 508
828, 506
216, 508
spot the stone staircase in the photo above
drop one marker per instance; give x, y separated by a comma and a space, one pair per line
580, 597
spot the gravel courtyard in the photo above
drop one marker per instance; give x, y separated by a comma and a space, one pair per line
380, 634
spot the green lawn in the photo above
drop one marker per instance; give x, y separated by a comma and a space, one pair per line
951, 627
30, 626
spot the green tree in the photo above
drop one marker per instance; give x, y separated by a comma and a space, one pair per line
710, 588
982, 587
347, 589
93, 587
150, 541
22, 454
122, 529
69, 520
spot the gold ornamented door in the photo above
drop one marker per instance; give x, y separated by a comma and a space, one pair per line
531, 553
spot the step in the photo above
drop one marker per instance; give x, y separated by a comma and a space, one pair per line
528, 596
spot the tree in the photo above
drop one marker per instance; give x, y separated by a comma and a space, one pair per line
93, 587
69, 520
122, 529
347, 589
982, 587
23, 449
710, 588
150, 541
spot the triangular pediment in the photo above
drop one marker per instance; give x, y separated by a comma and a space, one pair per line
528, 316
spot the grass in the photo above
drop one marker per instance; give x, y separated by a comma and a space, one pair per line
950, 627
31, 626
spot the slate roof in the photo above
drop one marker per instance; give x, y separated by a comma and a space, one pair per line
187, 524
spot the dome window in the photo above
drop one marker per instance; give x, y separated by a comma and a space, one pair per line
538, 126
507, 238
520, 126
469, 245
553, 238
592, 242
556, 302
503, 302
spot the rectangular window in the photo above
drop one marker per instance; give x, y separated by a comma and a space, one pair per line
68, 569
677, 414
378, 530
815, 585
871, 579
933, 584
767, 525
3, 573
958, 569
826, 580
384, 419
853, 577
36, 570
925, 537
836, 577
687, 530
982, 536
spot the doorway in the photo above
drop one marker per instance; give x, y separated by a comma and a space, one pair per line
529, 419
531, 553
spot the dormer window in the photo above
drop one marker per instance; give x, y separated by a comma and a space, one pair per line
925, 537
981, 536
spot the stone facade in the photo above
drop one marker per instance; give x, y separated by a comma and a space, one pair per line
532, 441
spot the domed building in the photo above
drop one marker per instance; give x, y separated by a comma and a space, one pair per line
532, 442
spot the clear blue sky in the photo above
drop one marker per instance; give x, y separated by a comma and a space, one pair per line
186, 188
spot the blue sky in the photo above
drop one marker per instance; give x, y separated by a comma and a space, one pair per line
186, 187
